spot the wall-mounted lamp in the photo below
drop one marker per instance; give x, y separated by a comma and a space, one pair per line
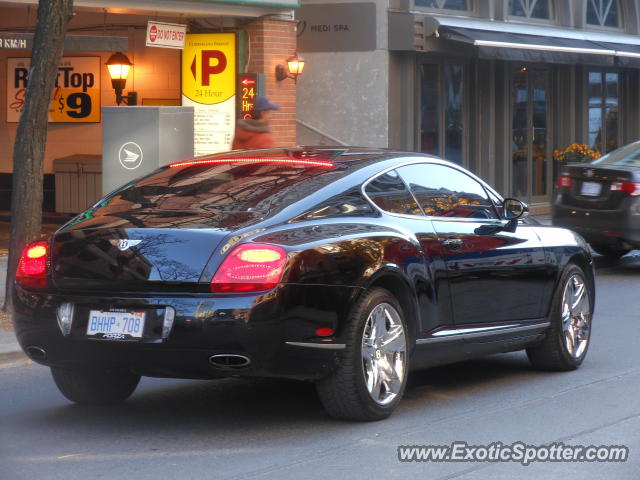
295, 66
119, 66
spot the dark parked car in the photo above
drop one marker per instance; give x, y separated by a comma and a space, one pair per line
342, 266
601, 201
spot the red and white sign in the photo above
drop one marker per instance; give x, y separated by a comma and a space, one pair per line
166, 35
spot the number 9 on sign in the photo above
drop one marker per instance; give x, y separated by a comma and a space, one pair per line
79, 105
70, 105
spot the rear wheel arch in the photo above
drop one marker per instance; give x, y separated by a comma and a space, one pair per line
404, 293
370, 378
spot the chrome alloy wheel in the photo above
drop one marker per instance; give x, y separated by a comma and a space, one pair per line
576, 315
384, 353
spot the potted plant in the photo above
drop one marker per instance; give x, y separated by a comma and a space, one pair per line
574, 153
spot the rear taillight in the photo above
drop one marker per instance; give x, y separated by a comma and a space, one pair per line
32, 266
564, 181
631, 188
250, 267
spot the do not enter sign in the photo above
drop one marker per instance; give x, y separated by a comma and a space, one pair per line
166, 35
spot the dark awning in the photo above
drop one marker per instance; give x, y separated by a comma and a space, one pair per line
626, 54
520, 42
531, 48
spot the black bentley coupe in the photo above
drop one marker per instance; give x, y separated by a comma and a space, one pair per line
347, 267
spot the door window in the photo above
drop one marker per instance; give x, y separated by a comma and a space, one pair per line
443, 191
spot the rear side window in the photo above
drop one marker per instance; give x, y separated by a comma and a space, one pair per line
390, 194
443, 191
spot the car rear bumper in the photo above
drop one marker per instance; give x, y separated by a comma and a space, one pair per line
615, 227
278, 341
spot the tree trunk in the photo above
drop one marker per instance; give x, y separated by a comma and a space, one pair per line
31, 137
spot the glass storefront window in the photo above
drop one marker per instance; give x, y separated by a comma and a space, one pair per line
430, 112
603, 13
520, 137
444, 4
529, 132
539, 131
453, 115
442, 111
603, 102
537, 9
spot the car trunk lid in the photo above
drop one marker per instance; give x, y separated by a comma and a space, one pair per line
591, 186
128, 258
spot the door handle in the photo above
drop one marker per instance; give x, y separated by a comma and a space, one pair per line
453, 243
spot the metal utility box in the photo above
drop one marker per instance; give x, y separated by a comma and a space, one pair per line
78, 182
137, 140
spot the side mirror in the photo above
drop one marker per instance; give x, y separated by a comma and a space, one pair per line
513, 209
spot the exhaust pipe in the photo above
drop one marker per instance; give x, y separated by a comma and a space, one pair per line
37, 353
229, 361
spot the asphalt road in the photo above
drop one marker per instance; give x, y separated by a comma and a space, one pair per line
245, 429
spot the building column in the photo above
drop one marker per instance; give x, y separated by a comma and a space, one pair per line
272, 41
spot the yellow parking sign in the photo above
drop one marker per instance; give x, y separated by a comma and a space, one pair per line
209, 67
209, 86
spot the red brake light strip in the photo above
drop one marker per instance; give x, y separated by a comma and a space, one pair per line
286, 161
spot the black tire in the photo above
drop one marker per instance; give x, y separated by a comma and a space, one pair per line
95, 387
344, 394
552, 353
610, 251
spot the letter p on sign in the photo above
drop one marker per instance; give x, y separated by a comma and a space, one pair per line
213, 63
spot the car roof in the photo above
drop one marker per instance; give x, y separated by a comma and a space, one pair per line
342, 156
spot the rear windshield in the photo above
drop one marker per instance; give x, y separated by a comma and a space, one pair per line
627, 156
258, 188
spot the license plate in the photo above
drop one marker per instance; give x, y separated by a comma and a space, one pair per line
590, 189
115, 325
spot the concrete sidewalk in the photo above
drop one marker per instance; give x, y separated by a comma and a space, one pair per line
10, 350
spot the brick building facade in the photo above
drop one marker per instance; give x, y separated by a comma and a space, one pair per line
272, 41
265, 37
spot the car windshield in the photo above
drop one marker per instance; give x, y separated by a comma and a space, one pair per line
627, 156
